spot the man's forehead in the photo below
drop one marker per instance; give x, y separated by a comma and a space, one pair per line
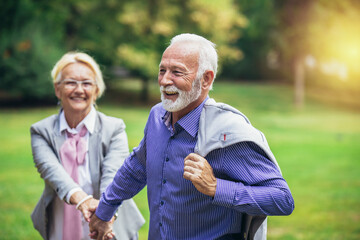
180, 53
184, 47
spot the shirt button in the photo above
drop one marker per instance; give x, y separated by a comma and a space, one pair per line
164, 181
160, 224
167, 159
161, 203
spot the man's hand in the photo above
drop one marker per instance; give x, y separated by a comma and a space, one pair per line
100, 229
200, 173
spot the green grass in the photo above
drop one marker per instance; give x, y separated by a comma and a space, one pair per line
318, 149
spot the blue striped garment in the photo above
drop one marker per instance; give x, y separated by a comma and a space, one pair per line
247, 182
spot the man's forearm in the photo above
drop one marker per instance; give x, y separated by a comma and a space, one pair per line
254, 200
128, 181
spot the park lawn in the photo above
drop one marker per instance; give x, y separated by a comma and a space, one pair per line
317, 149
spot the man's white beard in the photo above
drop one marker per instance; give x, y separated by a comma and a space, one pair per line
184, 98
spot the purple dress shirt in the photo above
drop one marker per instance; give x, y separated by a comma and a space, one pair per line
247, 181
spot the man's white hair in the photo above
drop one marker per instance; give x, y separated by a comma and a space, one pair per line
208, 58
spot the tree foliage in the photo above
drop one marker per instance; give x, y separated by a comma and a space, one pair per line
255, 41
150, 26
28, 48
132, 34
326, 30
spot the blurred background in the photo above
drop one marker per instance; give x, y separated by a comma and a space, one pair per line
292, 66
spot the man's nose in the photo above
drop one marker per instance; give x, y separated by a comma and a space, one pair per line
165, 79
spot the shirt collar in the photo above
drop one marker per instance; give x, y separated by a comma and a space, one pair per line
88, 121
189, 122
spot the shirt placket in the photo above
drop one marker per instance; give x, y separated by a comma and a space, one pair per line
162, 204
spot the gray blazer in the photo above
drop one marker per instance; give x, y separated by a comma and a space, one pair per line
108, 148
218, 120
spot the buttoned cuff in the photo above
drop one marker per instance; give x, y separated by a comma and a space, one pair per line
105, 211
225, 192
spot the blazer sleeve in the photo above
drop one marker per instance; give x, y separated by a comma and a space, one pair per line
43, 145
116, 151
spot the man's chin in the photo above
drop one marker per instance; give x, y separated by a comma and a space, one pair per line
172, 106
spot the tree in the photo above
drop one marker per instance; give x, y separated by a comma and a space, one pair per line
255, 41
294, 39
35, 34
326, 30
132, 34
29, 46
146, 36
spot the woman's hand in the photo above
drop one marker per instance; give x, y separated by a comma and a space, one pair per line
87, 206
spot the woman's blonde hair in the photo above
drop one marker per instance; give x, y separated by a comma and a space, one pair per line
78, 57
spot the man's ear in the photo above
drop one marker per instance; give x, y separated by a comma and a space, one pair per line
208, 78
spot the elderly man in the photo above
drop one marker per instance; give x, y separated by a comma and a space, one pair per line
208, 171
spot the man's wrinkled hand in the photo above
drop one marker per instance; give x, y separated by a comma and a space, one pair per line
198, 170
100, 229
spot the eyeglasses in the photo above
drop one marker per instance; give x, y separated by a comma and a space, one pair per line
72, 84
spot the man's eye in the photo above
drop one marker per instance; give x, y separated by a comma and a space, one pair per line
87, 84
177, 73
162, 71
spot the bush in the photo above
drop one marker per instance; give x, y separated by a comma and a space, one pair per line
28, 55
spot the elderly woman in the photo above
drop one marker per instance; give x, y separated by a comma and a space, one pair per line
77, 152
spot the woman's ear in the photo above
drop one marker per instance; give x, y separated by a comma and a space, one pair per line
208, 78
57, 91
96, 95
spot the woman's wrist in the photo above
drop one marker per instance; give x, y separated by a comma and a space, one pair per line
83, 200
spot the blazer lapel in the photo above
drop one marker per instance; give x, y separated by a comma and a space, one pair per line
57, 137
95, 156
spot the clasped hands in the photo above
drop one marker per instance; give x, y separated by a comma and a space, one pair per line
196, 169
98, 229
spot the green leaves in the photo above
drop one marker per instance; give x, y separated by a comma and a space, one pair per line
129, 33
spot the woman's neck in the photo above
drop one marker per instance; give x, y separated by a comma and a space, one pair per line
73, 119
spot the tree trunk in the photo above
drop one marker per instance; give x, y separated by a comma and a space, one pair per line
299, 83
